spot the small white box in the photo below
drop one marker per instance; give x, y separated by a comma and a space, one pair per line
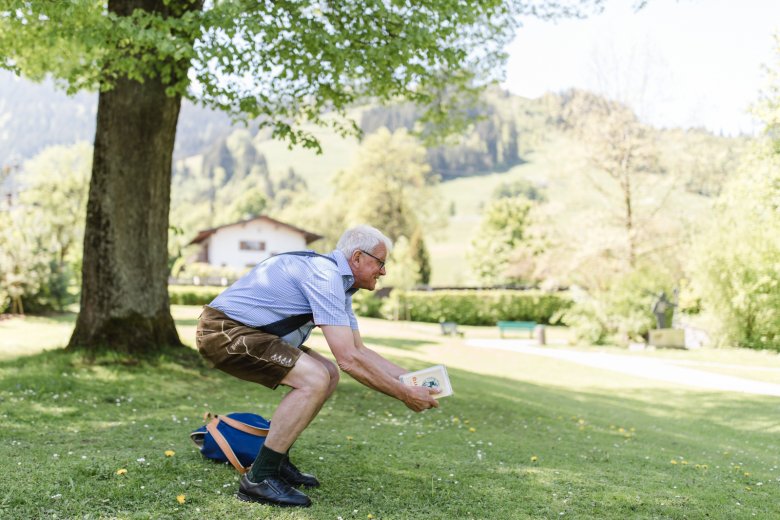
431, 377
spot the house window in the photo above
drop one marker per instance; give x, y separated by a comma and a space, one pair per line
251, 245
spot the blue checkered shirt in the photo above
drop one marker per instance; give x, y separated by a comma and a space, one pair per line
290, 285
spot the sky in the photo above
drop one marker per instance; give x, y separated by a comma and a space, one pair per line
678, 63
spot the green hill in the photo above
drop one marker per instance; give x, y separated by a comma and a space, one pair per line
574, 216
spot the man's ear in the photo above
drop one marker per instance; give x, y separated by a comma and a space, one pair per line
355, 255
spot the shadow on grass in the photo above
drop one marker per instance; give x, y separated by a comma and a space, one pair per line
186, 322
401, 344
56, 317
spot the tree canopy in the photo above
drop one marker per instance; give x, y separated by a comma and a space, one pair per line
282, 62
279, 63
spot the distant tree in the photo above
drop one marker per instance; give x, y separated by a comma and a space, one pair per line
288, 188
251, 203
24, 263
624, 156
421, 256
390, 186
402, 267
303, 59
40, 235
519, 188
291, 181
409, 263
501, 233
54, 186
705, 162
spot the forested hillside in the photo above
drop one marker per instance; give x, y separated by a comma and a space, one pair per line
34, 116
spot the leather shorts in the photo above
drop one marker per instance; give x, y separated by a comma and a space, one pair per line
242, 351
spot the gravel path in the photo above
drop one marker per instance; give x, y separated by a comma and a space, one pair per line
649, 368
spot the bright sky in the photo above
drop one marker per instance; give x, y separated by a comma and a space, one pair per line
677, 62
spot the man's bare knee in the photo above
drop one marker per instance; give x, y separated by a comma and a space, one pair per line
333, 373
320, 380
308, 375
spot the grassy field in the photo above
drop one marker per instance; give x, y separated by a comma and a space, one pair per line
523, 437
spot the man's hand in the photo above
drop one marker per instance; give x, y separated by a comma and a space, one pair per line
373, 370
418, 398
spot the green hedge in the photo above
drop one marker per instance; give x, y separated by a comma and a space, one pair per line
468, 307
192, 294
476, 307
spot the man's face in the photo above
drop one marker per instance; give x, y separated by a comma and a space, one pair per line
368, 266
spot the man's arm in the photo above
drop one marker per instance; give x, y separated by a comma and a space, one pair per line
385, 364
372, 370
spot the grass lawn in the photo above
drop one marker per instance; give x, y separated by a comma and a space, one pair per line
523, 437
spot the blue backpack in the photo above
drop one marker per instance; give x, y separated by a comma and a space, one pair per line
234, 438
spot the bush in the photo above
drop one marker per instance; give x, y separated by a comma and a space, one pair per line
736, 260
623, 311
475, 307
366, 303
739, 287
192, 294
587, 318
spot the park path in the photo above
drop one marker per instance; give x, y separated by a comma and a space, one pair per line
657, 369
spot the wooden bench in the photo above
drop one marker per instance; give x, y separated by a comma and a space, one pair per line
516, 325
450, 328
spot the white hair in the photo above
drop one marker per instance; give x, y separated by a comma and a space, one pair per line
362, 237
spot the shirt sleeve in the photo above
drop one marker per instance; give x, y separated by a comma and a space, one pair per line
324, 291
351, 313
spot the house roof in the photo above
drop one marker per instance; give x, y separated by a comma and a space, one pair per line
205, 233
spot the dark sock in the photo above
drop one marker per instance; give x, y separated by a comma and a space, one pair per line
265, 465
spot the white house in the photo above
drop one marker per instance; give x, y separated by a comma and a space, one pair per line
244, 244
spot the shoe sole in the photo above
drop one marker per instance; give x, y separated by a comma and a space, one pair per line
246, 498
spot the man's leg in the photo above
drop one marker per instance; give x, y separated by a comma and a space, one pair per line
288, 470
333, 372
311, 386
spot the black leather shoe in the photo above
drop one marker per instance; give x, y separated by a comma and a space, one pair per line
294, 477
273, 490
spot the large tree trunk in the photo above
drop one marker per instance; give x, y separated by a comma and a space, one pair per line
124, 292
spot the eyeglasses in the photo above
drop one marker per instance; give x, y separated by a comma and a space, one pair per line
381, 263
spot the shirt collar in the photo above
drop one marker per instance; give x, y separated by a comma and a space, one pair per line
343, 266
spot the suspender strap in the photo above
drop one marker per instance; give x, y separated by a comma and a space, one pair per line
285, 326
307, 253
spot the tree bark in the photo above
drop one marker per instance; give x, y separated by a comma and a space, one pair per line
124, 292
124, 288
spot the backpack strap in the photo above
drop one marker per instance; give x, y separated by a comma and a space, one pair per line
285, 326
246, 428
223, 444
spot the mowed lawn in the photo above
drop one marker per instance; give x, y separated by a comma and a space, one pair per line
523, 436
